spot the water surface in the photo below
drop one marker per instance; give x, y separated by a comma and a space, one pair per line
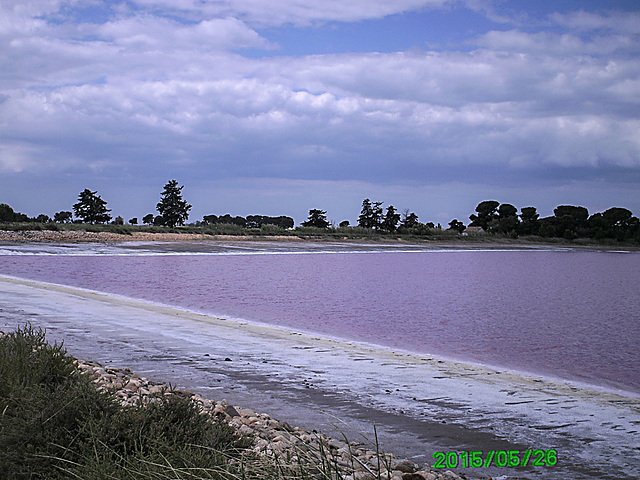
568, 314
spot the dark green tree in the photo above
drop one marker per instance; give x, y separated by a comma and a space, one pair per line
210, 219
63, 217
370, 215
409, 220
148, 219
507, 220
486, 213
456, 225
6, 213
528, 221
229, 220
173, 209
43, 218
91, 208
344, 224
391, 219
578, 214
317, 218
133, 221
569, 221
616, 222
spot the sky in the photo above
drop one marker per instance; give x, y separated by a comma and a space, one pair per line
282, 106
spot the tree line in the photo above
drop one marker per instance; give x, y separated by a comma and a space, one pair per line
568, 222
492, 217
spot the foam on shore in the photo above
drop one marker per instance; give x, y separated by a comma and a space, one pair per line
593, 430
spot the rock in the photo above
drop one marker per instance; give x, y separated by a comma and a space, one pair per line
246, 412
451, 475
363, 475
270, 436
406, 466
412, 476
230, 410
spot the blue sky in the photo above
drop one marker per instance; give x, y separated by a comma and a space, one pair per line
279, 107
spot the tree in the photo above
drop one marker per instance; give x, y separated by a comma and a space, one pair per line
317, 218
6, 213
391, 219
148, 219
42, 218
118, 220
133, 221
173, 209
486, 213
570, 221
578, 214
507, 220
62, 217
616, 222
229, 220
210, 219
344, 224
409, 219
91, 208
370, 215
528, 221
457, 225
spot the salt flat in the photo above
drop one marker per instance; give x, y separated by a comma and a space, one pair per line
420, 404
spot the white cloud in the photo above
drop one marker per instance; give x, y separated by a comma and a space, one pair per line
149, 34
146, 95
621, 22
297, 12
553, 44
16, 158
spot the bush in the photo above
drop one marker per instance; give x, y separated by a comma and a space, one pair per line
56, 424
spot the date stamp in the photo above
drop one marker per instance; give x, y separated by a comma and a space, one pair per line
496, 458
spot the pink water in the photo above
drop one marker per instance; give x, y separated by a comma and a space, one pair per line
573, 315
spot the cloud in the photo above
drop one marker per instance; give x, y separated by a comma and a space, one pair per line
296, 12
151, 94
620, 22
152, 34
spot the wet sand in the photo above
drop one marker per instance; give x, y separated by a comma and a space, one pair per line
420, 404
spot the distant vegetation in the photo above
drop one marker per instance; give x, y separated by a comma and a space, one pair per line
491, 219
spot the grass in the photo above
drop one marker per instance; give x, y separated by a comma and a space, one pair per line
55, 424
354, 233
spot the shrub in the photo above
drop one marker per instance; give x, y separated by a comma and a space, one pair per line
56, 424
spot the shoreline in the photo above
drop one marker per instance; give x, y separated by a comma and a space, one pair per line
356, 460
290, 373
613, 394
17, 237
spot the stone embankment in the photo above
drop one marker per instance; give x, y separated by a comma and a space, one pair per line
357, 461
76, 236
82, 236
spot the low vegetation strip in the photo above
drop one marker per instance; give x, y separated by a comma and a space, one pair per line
61, 418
